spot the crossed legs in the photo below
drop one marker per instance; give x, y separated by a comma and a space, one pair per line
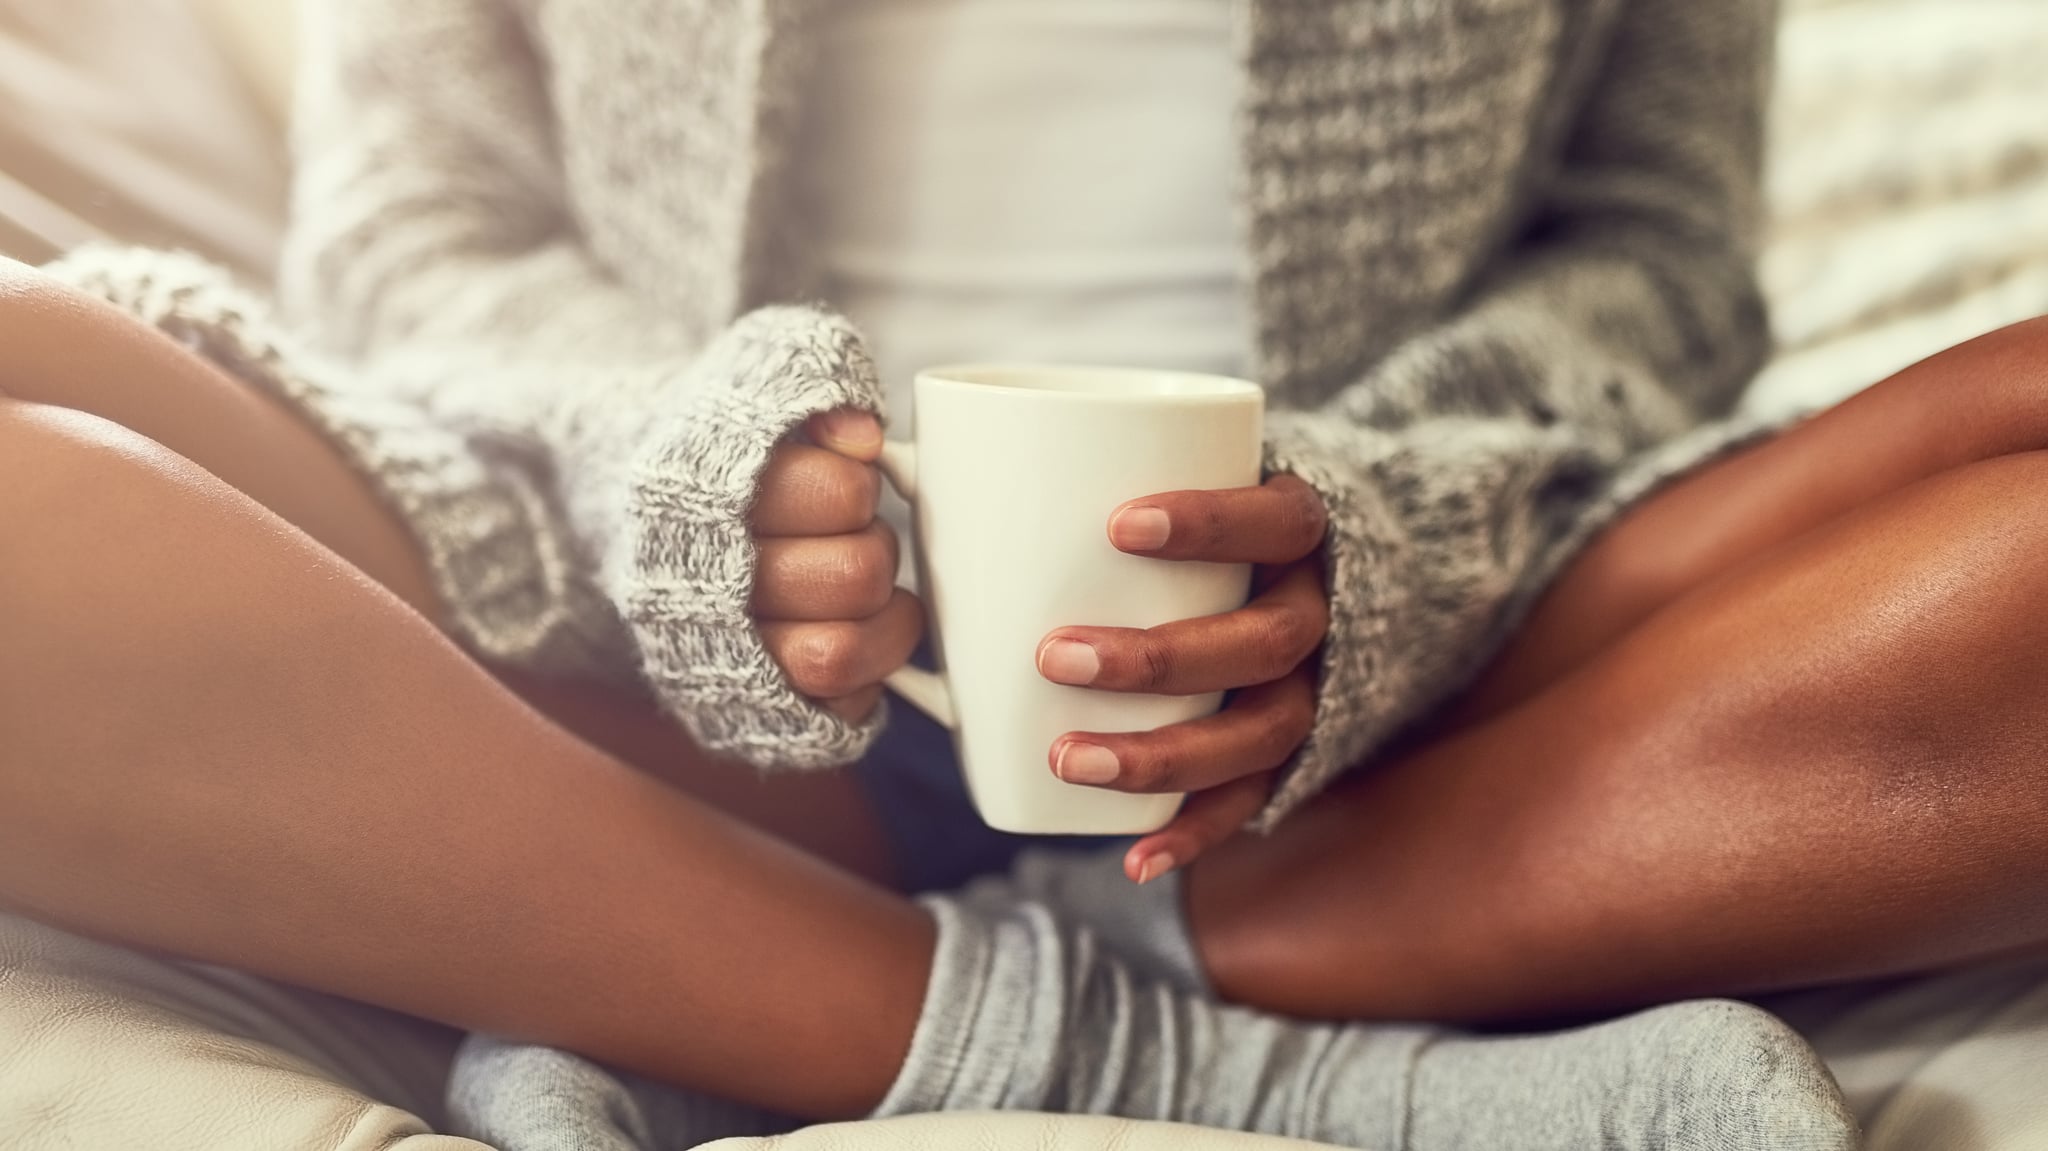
228, 740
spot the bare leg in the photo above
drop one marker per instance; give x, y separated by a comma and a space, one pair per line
1811, 757
72, 351
69, 350
1977, 401
218, 739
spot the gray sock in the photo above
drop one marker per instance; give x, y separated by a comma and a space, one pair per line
1027, 1012
1144, 926
519, 1097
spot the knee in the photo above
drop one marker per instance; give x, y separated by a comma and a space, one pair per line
30, 312
2017, 358
1984, 398
41, 439
1902, 647
55, 461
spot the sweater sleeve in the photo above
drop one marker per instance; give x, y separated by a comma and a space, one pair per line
435, 250
1464, 468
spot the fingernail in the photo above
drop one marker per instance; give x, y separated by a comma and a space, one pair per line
850, 429
1087, 763
1140, 529
1069, 661
1155, 867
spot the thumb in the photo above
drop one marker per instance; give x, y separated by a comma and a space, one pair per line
848, 431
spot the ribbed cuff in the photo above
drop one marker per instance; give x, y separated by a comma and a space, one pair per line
1355, 672
681, 568
992, 971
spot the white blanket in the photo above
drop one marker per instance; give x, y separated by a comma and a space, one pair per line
1908, 186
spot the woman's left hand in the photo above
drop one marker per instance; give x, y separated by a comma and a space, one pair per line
1264, 652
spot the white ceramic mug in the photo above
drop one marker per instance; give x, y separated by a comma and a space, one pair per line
1012, 478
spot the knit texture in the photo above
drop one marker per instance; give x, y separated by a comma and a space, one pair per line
1496, 251
1026, 1011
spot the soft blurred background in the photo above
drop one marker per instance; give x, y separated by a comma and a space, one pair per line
1908, 164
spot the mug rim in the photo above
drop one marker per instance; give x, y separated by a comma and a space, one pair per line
1220, 389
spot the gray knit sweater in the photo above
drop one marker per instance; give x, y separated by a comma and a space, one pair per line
546, 273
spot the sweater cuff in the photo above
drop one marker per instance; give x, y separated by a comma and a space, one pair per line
1379, 669
512, 590
1360, 549
682, 569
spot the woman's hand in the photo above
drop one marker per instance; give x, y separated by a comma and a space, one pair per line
1264, 652
825, 582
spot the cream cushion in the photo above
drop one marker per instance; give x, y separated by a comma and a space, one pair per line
1986, 1091
103, 1049
1004, 1132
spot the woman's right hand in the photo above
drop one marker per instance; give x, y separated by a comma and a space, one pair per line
825, 589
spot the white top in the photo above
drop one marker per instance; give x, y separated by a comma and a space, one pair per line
1046, 180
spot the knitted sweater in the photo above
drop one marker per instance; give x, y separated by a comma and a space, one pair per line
547, 265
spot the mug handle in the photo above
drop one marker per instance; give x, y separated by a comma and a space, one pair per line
924, 690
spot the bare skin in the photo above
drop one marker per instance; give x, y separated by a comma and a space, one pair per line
825, 581
386, 821
1672, 809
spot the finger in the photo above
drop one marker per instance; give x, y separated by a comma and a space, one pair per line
849, 432
807, 491
838, 658
825, 577
855, 708
1278, 522
1257, 643
1257, 733
1208, 818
